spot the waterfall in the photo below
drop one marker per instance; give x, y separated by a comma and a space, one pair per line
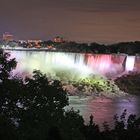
130, 62
82, 64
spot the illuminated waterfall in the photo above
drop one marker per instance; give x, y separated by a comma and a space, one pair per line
79, 63
106, 64
130, 62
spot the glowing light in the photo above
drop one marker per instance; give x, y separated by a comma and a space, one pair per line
77, 64
101, 63
130, 61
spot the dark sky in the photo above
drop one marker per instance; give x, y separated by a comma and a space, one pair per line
103, 21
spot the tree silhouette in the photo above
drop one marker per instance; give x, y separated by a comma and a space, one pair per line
35, 106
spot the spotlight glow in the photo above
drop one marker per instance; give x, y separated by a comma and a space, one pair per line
77, 64
130, 61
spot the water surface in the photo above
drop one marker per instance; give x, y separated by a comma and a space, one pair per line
103, 109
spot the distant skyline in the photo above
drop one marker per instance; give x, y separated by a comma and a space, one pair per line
102, 21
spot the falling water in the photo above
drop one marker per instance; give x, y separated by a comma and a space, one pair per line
109, 65
130, 62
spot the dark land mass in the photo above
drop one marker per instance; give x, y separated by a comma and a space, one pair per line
130, 48
129, 83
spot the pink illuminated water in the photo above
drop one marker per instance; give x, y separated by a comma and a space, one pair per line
108, 65
104, 109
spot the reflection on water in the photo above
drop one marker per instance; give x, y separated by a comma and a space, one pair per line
103, 109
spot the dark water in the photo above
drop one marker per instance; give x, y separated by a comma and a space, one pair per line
102, 108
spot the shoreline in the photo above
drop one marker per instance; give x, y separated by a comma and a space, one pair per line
54, 50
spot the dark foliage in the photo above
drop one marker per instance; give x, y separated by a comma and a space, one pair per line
35, 106
129, 83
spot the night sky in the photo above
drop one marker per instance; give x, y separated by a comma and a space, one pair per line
102, 21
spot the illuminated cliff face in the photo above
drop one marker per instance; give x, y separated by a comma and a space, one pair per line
74, 63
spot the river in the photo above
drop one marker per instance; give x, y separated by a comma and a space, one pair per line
104, 109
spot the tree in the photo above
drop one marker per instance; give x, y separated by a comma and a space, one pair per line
43, 103
6, 65
7, 129
35, 106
